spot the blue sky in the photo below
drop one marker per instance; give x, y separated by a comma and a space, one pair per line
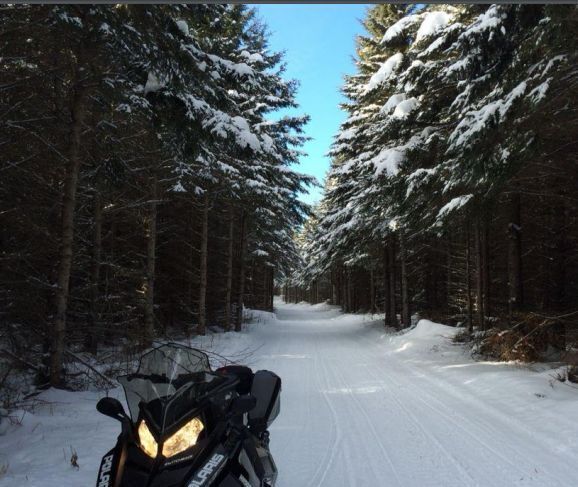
319, 41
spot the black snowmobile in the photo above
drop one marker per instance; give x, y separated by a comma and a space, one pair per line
190, 426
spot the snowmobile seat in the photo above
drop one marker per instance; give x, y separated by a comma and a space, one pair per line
266, 388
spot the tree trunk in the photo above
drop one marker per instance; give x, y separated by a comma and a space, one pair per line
109, 273
313, 293
468, 281
479, 276
267, 287
202, 328
449, 301
316, 291
249, 286
486, 265
272, 293
514, 254
560, 247
371, 291
229, 281
339, 273
333, 287
151, 229
78, 112
93, 333
241, 289
405, 308
386, 278
265, 292
348, 292
392, 305
191, 263
343, 278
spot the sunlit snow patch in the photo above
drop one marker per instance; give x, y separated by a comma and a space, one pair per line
424, 337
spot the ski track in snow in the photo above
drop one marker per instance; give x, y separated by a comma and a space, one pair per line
358, 408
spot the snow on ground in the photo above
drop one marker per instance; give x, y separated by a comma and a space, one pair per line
359, 408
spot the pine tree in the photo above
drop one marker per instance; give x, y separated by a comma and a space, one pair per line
177, 129
451, 111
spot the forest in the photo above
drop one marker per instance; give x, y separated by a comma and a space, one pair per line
167, 273
148, 185
146, 176
452, 189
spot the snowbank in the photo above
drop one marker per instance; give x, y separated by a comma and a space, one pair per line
429, 330
429, 346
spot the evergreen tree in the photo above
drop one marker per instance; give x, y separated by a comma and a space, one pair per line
147, 124
447, 128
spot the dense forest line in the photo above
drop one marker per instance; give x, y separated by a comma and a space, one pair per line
452, 191
145, 177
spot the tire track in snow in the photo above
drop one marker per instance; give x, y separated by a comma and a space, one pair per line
351, 414
339, 443
481, 431
361, 409
301, 412
419, 392
329, 457
413, 418
491, 409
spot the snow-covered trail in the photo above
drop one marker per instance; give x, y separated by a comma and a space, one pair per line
359, 407
363, 409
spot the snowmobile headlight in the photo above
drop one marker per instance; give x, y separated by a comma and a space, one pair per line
147, 440
184, 438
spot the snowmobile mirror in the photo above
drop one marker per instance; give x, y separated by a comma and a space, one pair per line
243, 404
109, 406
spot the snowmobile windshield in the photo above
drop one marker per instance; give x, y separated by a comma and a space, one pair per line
169, 380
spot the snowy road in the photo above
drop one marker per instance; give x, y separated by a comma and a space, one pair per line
359, 408
363, 409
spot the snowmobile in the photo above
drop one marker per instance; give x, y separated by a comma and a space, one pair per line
189, 426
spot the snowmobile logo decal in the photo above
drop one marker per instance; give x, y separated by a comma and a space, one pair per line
207, 471
105, 468
179, 460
